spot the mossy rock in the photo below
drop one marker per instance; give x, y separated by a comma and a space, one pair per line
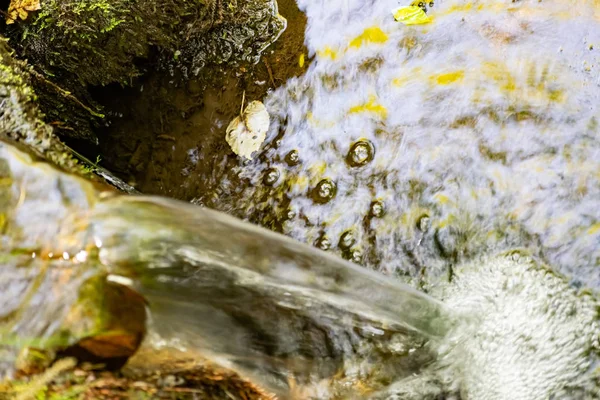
101, 42
21, 120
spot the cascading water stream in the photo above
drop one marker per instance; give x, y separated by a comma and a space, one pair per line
282, 313
259, 299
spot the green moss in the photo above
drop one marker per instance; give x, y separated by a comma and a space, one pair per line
69, 36
21, 122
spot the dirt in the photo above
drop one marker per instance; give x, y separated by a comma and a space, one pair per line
151, 374
167, 137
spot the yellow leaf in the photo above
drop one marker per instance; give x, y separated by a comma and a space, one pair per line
451, 77
301, 60
411, 15
327, 52
19, 8
371, 106
373, 34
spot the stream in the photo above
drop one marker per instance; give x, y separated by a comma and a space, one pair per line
439, 188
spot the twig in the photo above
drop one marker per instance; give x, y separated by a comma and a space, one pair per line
48, 376
243, 99
66, 94
183, 390
269, 71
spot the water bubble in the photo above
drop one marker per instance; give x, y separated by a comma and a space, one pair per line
377, 209
292, 158
360, 154
347, 240
356, 256
81, 256
323, 243
424, 223
271, 177
291, 214
324, 192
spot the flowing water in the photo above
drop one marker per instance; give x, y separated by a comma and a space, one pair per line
428, 153
420, 150
302, 323
431, 143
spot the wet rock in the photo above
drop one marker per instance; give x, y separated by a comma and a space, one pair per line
50, 271
69, 36
21, 122
106, 325
119, 39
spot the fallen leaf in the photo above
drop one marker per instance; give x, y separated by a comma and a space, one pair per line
19, 9
411, 15
256, 118
247, 132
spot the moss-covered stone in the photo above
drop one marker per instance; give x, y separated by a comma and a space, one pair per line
107, 324
21, 121
100, 41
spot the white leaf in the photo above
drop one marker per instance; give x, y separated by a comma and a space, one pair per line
256, 118
246, 133
242, 142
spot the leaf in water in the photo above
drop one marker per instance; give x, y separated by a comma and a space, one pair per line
19, 9
256, 119
411, 15
241, 141
247, 132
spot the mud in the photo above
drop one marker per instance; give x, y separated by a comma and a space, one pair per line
151, 374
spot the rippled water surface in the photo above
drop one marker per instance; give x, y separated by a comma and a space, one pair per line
407, 148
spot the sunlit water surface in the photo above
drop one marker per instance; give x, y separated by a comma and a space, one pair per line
414, 149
